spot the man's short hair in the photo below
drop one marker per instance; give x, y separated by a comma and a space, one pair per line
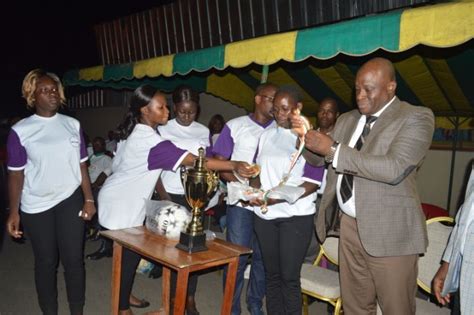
292, 91
332, 100
99, 139
264, 86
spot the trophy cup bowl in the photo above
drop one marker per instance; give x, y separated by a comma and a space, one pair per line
199, 184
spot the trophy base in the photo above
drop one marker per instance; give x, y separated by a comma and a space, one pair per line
192, 243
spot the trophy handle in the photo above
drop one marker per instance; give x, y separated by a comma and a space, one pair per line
212, 182
184, 176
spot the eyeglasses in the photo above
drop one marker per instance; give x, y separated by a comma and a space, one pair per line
270, 98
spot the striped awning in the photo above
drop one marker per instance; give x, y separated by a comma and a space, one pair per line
431, 47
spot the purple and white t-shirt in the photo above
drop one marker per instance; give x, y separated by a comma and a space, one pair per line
239, 138
136, 167
189, 138
99, 164
275, 150
49, 150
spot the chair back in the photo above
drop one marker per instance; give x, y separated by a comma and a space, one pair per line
321, 282
330, 249
428, 264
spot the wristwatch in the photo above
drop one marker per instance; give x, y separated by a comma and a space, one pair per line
330, 156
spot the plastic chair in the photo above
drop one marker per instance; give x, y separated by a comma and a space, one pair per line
322, 283
428, 264
433, 211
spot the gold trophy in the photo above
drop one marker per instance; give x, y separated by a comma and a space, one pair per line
199, 183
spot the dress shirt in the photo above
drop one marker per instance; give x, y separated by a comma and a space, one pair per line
349, 206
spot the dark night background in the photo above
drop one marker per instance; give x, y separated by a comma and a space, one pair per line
54, 35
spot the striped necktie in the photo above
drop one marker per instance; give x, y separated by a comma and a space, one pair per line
348, 179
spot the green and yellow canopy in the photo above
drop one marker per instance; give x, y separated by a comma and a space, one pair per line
431, 47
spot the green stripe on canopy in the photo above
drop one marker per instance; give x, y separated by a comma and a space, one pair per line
199, 60
118, 72
356, 37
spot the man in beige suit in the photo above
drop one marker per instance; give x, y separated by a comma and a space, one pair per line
374, 153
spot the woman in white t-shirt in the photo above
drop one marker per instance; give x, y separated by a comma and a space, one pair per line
48, 180
140, 158
187, 134
284, 232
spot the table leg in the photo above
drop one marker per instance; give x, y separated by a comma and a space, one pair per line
165, 294
181, 290
116, 274
229, 286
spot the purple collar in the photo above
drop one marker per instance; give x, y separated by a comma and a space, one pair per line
252, 117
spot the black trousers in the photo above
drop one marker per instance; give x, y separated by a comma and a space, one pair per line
130, 261
58, 233
283, 243
193, 278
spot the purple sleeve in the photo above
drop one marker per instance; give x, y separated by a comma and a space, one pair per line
83, 149
224, 145
314, 173
209, 153
165, 155
16, 152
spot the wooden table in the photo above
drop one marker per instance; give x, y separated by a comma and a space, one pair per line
160, 249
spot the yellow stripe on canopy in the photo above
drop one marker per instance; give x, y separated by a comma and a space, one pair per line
280, 77
337, 83
443, 122
417, 76
440, 69
154, 67
92, 74
345, 74
263, 51
440, 25
230, 88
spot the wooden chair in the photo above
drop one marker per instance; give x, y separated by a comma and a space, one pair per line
322, 283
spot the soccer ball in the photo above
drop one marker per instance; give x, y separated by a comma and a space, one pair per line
172, 220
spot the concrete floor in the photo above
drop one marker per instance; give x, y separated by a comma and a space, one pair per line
18, 295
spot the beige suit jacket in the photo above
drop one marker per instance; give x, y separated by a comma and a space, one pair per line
388, 209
